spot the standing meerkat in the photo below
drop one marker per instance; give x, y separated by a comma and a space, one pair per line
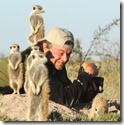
99, 106
38, 92
36, 25
15, 69
34, 49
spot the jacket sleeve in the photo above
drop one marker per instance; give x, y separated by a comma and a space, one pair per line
75, 93
69, 95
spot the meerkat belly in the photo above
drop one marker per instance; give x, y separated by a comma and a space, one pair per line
37, 74
15, 74
14, 59
40, 34
34, 21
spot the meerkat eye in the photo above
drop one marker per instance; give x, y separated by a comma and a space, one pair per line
33, 56
40, 8
41, 56
33, 8
14, 46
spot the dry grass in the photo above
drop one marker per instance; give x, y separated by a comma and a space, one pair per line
110, 70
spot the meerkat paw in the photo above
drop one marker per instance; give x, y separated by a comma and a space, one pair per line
12, 67
35, 32
16, 66
34, 91
14, 93
38, 90
18, 93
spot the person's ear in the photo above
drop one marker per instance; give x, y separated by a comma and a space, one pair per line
45, 47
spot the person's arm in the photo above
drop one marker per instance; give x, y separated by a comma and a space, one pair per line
75, 93
70, 94
82, 90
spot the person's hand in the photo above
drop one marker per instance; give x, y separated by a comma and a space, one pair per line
97, 82
92, 87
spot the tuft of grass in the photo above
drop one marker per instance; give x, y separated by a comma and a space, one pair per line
108, 117
55, 116
5, 118
110, 70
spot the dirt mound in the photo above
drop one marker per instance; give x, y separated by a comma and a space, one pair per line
15, 107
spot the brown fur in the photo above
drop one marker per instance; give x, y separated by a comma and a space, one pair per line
36, 25
28, 65
38, 91
15, 70
99, 106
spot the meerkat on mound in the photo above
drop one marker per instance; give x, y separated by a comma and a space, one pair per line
36, 25
99, 106
38, 92
15, 69
34, 49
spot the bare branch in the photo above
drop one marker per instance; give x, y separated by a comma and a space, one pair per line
101, 32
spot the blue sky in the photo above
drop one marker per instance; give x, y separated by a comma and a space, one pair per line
81, 17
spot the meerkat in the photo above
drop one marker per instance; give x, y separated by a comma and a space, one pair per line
38, 92
34, 49
15, 69
36, 25
99, 106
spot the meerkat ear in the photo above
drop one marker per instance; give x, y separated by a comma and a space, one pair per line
10, 47
33, 8
30, 48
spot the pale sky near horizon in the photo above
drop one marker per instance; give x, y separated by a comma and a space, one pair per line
81, 17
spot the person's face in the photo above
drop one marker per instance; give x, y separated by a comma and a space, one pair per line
59, 56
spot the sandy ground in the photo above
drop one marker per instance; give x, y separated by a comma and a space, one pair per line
15, 107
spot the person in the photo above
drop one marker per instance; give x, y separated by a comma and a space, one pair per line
58, 46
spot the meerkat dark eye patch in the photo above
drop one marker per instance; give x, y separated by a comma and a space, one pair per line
14, 46
40, 8
33, 8
41, 56
33, 56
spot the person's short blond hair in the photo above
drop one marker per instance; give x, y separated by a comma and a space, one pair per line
90, 68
